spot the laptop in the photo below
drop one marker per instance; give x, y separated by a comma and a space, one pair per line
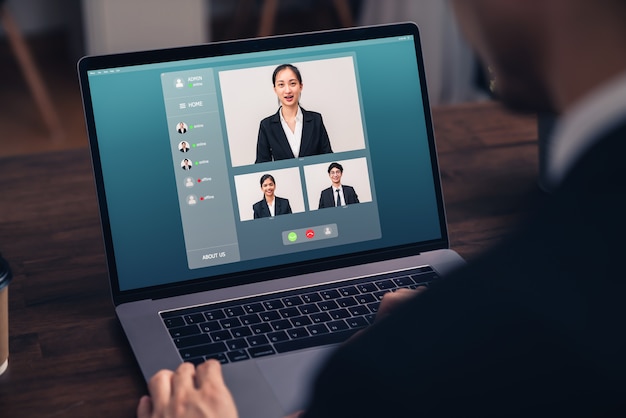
196, 271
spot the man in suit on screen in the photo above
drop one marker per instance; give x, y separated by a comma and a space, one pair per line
337, 194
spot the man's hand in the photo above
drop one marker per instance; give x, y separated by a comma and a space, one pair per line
188, 392
392, 300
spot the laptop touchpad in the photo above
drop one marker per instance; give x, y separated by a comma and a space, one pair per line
291, 375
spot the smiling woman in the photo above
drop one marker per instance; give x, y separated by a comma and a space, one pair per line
271, 205
292, 131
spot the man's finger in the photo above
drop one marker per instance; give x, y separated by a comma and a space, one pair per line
160, 387
392, 300
144, 408
184, 377
209, 374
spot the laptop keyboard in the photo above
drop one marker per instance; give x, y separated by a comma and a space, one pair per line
259, 326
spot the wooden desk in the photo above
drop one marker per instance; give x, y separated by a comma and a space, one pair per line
68, 354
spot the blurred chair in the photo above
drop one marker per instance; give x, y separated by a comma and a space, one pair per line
269, 10
270, 7
30, 72
452, 71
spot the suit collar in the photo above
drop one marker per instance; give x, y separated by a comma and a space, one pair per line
583, 125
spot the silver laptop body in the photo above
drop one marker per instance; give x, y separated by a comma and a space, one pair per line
175, 137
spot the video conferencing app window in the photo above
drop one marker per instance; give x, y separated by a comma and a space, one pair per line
178, 149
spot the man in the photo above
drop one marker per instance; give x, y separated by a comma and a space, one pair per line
534, 327
337, 194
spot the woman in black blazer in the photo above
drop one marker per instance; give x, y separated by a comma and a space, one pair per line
292, 131
270, 205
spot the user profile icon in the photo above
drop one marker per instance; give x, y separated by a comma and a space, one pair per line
183, 146
192, 200
179, 83
186, 164
189, 182
181, 127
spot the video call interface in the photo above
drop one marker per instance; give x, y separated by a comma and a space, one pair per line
252, 173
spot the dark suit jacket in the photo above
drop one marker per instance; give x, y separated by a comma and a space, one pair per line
327, 197
533, 328
272, 142
262, 210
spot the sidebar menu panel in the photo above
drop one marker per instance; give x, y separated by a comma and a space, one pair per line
199, 162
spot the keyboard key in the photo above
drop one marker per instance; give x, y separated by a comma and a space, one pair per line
264, 350
339, 314
253, 308
379, 295
221, 335
424, 278
367, 287
385, 284
308, 309
329, 294
241, 332
357, 322
261, 339
238, 355
250, 319
365, 298
320, 339
358, 310
210, 326
234, 311
292, 301
194, 319
184, 331
261, 328
230, 323
174, 322
214, 315
280, 324
275, 337
298, 333
196, 361
370, 318
415, 286
269, 316
373, 307
320, 317
317, 329
403, 281
327, 305
273, 304
346, 302
311, 298
301, 321
185, 342
237, 344
337, 325
203, 350
289, 312
349, 291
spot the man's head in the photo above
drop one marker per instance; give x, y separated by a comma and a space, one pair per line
335, 171
545, 54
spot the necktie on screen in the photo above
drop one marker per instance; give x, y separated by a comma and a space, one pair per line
338, 198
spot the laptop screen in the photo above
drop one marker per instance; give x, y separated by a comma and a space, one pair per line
238, 157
